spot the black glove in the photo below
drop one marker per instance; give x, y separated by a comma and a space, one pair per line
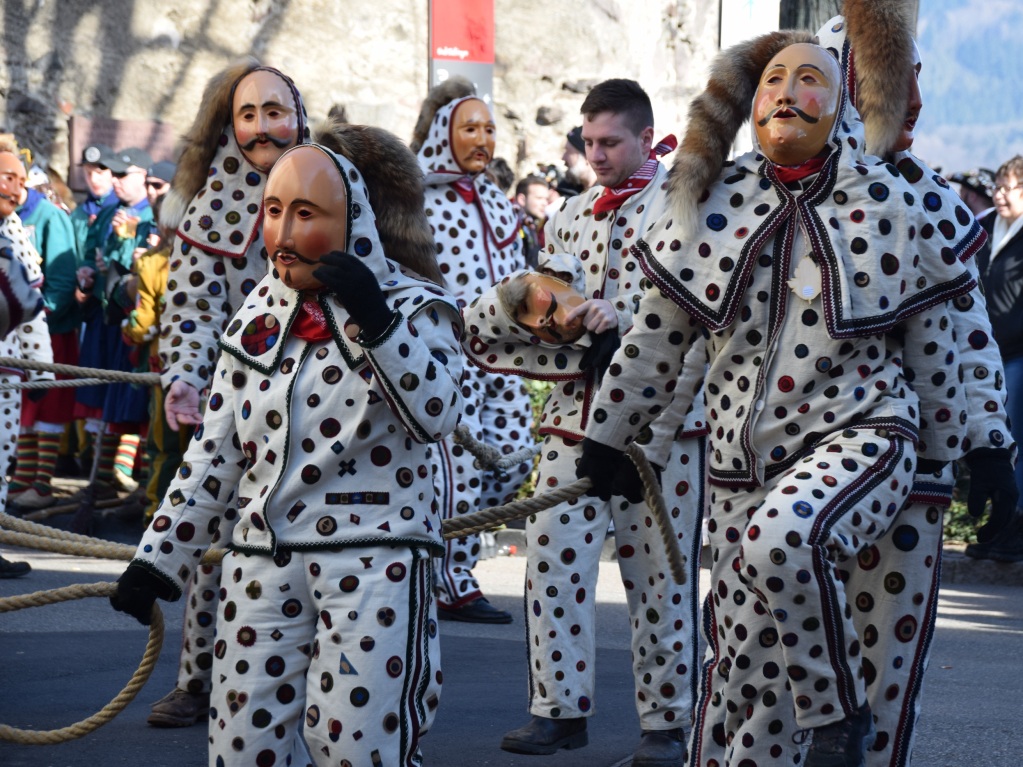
628, 482
137, 589
601, 351
600, 463
991, 476
352, 282
35, 395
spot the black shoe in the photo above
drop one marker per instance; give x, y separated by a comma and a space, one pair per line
843, 744
67, 466
979, 550
10, 569
546, 736
660, 748
478, 610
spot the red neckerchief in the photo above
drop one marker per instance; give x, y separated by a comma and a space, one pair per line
612, 199
789, 173
466, 188
310, 324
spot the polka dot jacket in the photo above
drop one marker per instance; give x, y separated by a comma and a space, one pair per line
984, 381
875, 350
318, 444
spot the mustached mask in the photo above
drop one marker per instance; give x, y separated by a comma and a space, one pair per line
796, 104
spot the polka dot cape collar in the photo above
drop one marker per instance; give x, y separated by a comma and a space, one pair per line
225, 215
437, 160
885, 250
255, 334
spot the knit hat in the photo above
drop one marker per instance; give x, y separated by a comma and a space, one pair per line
575, 138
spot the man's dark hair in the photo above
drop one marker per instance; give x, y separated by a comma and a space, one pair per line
523, 186
621, 96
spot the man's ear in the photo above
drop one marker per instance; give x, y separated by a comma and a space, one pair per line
647, 137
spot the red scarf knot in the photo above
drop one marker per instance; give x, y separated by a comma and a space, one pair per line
466, 189
311, 324
612, 199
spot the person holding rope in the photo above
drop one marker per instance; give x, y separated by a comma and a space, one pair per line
823, 283
338, 373
250, 115
525, 327
476, 230
21, 303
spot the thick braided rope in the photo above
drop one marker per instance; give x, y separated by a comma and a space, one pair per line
655, 502
69, 383
32, 535
490, 458
495, 516
124, 697
150, 379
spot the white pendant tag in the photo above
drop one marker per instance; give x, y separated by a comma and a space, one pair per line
806, 282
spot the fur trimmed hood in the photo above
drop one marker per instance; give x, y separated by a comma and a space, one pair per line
210, 155
453, 88
394, 182
717, 114
873, 41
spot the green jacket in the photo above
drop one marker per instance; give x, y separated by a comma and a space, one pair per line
52, 234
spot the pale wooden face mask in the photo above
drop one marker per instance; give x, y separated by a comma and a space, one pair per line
544, 309
796, 104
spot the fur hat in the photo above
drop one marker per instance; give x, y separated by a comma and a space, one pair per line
717, 114
455, 87
395, 185
202, 141
874, 45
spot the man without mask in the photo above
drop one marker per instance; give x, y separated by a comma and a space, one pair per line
331, 329
476, 229
815, 429
587, 245
250, 116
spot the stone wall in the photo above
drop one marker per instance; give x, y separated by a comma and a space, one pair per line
147, 59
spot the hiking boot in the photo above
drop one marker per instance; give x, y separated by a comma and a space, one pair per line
545, 736
180, 708
33, 500
9, 569
843, 744
660, 748
478, 610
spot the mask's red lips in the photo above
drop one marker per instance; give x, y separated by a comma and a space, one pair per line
784, 114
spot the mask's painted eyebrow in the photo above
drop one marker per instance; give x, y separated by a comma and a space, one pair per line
265, 104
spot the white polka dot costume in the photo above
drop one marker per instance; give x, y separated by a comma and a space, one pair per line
218, 259
24, 331
894, 584
477, 245
564, 543
814, 424
315, 455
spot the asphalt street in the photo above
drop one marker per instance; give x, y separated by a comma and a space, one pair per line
62, 663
